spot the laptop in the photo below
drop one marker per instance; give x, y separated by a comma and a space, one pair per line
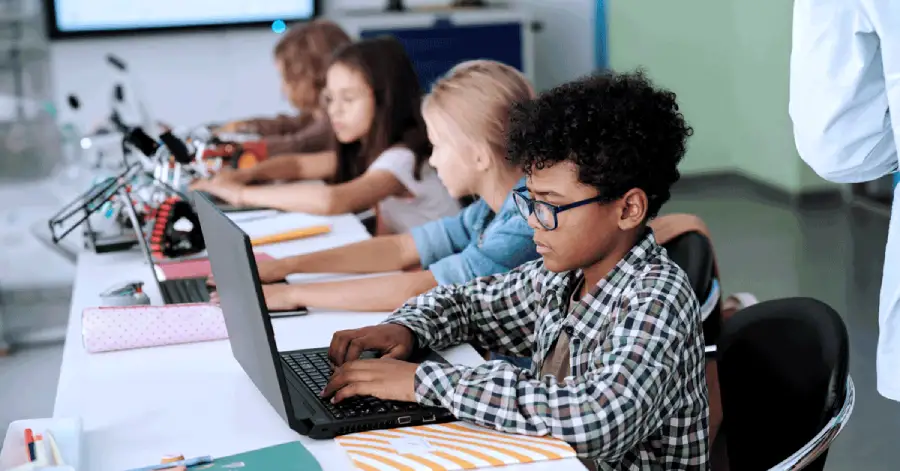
177, 291
185, 290
290, 381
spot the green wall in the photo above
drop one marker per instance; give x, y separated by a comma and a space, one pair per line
728, 61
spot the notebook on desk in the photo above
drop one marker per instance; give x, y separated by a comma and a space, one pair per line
291, 456
196, 268
290, 381
448, 447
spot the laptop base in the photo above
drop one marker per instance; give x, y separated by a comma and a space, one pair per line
308, 371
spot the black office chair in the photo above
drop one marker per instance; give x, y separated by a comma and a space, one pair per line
786, 390
693, 252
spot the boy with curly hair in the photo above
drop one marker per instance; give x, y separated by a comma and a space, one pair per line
611, 323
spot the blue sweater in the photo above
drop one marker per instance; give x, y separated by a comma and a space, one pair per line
475, 242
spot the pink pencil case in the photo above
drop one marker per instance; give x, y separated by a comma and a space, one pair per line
106, 329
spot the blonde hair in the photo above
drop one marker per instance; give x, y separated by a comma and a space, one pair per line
475, 98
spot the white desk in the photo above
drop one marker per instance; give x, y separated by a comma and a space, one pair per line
194, 399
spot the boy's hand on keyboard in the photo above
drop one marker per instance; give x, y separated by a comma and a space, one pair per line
385, 378
391, 340
229, 191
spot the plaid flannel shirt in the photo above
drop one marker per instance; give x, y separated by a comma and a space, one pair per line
636, 398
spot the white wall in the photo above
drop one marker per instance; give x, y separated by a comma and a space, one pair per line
183, 78
564, 49
190, 78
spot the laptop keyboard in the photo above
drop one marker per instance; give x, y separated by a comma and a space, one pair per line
314, 370
184, 290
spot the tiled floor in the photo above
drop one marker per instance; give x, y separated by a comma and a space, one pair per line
763, 247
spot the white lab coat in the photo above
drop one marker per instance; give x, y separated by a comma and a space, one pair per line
845, 81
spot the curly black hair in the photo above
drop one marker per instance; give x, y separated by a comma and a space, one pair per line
618, 128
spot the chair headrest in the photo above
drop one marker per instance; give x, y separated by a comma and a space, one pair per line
693, 252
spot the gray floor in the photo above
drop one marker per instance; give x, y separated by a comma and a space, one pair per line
833, 255
764, 247
28, 379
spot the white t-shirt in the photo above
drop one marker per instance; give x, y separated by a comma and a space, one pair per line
429, 200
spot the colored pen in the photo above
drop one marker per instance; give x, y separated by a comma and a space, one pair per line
291, 235
40, 453
29, 444
185, 463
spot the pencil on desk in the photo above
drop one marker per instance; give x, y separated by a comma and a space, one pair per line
291, 235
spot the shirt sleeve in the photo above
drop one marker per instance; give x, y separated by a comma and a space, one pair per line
279, 125
498, 312
839, 98
316, 137
621, 399
400, 162
508, 245
443, 237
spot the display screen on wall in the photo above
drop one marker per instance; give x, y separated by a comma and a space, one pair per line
67, 18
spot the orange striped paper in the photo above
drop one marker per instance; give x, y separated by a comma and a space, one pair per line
447, 447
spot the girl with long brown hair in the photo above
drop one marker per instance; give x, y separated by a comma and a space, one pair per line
373, 100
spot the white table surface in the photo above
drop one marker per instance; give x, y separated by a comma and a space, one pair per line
195, 399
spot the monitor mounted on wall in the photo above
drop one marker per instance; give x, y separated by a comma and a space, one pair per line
86, 18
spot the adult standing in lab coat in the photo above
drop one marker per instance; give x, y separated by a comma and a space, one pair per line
845, 82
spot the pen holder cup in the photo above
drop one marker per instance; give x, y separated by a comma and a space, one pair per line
66, 432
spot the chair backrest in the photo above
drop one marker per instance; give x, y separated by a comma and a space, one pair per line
783, 368
693, 252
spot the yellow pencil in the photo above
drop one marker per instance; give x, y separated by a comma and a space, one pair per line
291, 235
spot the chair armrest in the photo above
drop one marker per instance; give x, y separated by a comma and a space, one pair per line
815, 447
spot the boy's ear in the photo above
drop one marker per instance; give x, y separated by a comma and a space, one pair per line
634, 209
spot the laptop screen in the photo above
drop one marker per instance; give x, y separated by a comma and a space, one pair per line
242, 302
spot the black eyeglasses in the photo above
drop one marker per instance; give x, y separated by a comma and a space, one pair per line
544, 212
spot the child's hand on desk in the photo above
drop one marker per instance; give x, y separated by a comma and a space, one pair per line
234, 126
228, 190
281, 297
278, 297
228, 174
270, 271
385, 378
